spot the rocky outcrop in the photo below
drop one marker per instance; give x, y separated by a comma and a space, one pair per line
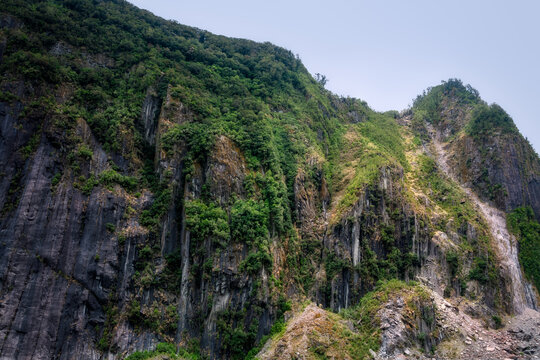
517, 288
502, 169
312, 332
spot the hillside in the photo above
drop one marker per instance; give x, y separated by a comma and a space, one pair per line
167, 192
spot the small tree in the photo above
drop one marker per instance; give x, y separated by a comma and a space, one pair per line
321, 79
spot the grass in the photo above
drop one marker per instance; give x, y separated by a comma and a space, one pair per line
367, 147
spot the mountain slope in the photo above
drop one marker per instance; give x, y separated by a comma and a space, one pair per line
164, 184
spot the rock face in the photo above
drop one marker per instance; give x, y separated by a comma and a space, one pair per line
59, 261
193, 191
501, 166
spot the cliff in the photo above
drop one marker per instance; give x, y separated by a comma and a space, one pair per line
161, 184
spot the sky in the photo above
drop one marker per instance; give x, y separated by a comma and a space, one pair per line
388, 51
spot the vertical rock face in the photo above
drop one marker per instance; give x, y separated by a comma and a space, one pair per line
59, 262
226, 170
149, 115
501, 168
505, 244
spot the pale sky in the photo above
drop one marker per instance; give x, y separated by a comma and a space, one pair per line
388, 51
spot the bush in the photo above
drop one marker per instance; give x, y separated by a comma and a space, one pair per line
110, 177
497, 321
249, 221
110, 227
56, 179
85, 152
255, 261
151, 217
207, 222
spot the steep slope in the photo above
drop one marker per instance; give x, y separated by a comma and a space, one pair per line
454, 116
164, 184
506, 245
487, 152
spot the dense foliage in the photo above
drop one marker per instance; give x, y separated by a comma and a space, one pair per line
427, 107
486, 119
523, 224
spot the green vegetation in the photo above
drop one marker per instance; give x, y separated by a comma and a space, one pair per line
109, 177
249, 221
427, 107
497, 321
151, 217
236, 341
207, 222
85, 152
165, 349
56, 179
523, 224
110, 54
459, 214
377, 143
110, 227
483, 270
487, 119
111, 319
445, 193
32, 144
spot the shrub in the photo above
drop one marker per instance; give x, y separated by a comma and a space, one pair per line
249, 221
109, 177
110, 227
207, 221
85, 152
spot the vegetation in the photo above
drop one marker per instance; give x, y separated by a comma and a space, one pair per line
522, 222
444, 192
487, 119
165, 349
428, 106
110, 55
207, 222
109, 177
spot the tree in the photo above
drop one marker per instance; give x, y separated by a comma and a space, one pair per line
321, 79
